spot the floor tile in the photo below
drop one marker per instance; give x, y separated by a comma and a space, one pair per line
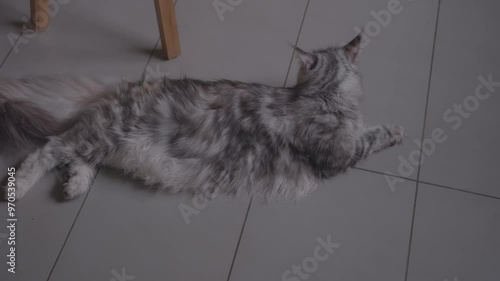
395, 62
125, 227
112, 38
368, 226
43, 224
456, 236
460, 106
247, 42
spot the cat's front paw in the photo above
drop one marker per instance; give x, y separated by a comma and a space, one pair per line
397, 134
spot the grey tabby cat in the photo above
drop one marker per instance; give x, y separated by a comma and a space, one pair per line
221, 137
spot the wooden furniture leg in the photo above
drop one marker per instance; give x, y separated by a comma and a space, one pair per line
40, 14
167, 24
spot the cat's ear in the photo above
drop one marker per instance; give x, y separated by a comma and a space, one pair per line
308, 59
353, 48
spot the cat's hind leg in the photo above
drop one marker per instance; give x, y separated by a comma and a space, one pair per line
34, 167
80, 178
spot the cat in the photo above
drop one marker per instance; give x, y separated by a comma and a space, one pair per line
205, 137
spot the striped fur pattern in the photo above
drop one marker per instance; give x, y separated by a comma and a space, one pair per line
222, 137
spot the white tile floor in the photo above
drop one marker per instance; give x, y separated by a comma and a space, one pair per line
436, 221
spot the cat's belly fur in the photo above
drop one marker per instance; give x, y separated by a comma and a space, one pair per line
157, 168
150, 162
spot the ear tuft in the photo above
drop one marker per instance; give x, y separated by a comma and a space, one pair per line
353, 48
308, 59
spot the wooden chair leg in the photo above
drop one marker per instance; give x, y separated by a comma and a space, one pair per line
167, 24
40, 14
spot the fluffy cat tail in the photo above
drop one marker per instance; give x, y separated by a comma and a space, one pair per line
33, 108
24, 125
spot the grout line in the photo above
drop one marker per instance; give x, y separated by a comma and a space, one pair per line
10, 51
421, 140
239, 240
428, 88
143, 74
412, 225
428, 183
460, 190
296, 42
384, 174
72, 225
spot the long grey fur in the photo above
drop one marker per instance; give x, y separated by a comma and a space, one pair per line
206, 137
